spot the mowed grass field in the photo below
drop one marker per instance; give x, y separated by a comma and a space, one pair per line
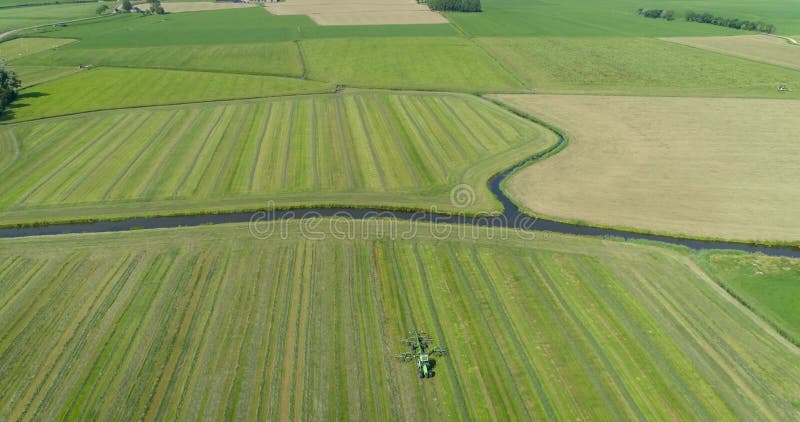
212, 323
635, 66
762, 48
715, 168
279, 58
770, 285
24, 17
378, 149
234, 26
35, 75
109, 88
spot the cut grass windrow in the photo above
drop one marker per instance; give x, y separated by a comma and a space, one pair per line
210, 322
362, 149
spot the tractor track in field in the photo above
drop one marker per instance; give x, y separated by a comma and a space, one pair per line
512, 217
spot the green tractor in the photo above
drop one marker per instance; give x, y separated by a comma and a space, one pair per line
420, 349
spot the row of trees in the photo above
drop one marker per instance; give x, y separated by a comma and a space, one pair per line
155, 7
455, 5
730, 23
9, 84
657, 13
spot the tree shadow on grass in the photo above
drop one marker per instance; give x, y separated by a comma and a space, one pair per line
8, 113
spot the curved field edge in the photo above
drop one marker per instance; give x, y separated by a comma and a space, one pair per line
585, 327
631, 229
433, 194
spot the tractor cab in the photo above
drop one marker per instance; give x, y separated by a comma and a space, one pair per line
424, 366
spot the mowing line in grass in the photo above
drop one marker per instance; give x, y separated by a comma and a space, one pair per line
259, 145
159, 157
356, 112
313, 150
159, 178
430, 154
400, 147
145, 148
541, 397
182, 184
110, 149
431, 305
88, 144
287, 144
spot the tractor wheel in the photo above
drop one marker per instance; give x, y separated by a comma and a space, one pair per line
421, 374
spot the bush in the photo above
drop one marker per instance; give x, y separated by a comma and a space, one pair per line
455, 5
656, 13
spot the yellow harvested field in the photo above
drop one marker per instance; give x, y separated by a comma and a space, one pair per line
199, 6
358, 12
763, 48
710, 167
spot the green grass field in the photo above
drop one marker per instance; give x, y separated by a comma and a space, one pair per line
104, 88
24, 17
512, 18
636, 66
22, 47
410, 63
280, 58
35, 75
770, 285
373, 149
240, 110
29, 3
211, 322
245, 25
9, 150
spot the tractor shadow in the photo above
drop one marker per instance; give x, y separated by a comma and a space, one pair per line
432, 366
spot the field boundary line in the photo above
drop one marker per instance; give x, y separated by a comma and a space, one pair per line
790, 40
221, 102
303, 67
496, 61
226, 101
13, 31
741, 305
196, 70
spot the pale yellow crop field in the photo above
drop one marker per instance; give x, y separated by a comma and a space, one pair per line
200, 6
762, 48
358, 12
718, 168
